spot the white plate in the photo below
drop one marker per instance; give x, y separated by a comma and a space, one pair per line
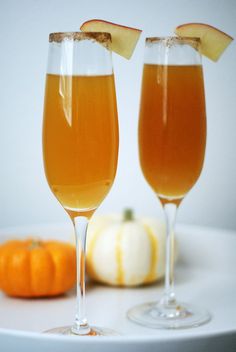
205, 276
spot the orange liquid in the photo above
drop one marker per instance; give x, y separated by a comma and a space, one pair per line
172, 128
80, 139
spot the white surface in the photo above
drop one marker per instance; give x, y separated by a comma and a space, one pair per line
24, 28
205, 276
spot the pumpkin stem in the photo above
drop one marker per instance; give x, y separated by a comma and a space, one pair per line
128, 215
35, 243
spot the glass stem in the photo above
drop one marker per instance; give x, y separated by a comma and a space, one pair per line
170, 210
80, 326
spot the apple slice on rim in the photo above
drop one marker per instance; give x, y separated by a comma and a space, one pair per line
213, 41
124, 39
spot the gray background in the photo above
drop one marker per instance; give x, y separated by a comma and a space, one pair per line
24, 27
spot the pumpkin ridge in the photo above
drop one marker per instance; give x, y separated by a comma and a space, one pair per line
154, 257
52, 249
89, 256
17, 269
37, 255
90, 268
61, 262
31, 252
4, 269
119, 257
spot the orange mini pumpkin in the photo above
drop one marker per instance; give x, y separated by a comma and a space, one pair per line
33, 268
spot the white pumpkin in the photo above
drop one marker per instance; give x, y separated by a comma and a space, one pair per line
125, 251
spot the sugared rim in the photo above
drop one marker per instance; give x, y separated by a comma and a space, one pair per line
101, 37
194, 41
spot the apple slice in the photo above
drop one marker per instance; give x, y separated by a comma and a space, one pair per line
213, 41
124, 39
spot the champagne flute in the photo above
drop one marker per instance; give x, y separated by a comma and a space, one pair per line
80, 139
172, 138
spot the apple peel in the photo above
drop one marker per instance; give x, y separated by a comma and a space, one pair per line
124, 39
213, 41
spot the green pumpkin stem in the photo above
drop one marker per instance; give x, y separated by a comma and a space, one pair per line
128, 215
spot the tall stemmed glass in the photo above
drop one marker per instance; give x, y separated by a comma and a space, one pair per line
80, 139
172, 138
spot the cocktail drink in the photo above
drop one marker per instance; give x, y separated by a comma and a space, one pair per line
172, 128
172, 138
80, 139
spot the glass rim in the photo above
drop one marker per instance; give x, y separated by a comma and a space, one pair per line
170, 40
101, 37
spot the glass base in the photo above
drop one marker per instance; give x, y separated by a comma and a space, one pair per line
93, 331
160, 316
